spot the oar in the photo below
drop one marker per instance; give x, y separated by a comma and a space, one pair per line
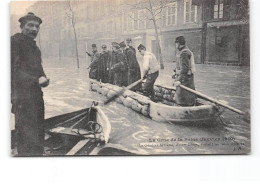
118, 93
216, 101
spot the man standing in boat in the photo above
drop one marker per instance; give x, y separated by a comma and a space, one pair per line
27, 79
151, 69
93, 73
133, 73
184, 73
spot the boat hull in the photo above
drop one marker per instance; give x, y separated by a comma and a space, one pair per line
68, 134
165, 111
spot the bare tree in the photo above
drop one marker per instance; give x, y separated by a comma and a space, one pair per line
152, 11
71, 15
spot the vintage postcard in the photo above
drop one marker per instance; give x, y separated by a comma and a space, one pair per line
130, 77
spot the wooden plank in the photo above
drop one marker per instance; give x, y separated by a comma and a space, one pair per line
78, 147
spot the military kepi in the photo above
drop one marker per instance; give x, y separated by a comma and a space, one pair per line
115, 44
30, 16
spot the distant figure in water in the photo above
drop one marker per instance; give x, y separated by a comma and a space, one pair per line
184, 74
151, 69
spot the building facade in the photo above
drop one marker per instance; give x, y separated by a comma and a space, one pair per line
206, 25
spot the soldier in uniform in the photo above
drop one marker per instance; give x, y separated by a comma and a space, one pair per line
27, 79
151, 69
133, 73
104, 61
94, 71
184, 74
129, 44
118, 65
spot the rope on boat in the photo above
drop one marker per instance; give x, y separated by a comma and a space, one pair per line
95, 128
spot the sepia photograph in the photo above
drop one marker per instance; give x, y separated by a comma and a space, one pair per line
130, 78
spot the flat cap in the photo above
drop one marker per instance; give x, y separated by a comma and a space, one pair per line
94, 45
141, 47
30, 16
104, 46
180, 40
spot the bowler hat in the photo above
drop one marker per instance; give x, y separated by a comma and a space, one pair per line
180, 40
122, 44
128, 40
30, 16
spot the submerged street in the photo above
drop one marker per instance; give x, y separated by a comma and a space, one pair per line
69, 91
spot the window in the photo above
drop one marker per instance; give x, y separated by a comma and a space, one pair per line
141, 19
218, 9
171, 16
130, 21
190, 12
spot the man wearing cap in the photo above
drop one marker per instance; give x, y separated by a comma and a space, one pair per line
104, 58
129, 44
151, 69
134, 73
184, 73
27, 79
94, 65
118, 65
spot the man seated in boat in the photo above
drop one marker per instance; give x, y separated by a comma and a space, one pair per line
150, 71
184, 73
93, 73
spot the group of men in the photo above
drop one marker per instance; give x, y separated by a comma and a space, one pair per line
119, 67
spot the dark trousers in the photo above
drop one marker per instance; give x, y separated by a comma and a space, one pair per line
29, 125
148, 85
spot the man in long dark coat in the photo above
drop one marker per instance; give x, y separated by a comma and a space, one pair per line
104, 65
119, 65
27, 79
130, 45
93, 72
133, 73
184, 74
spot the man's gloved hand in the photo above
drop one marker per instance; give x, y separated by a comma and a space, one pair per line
177, 83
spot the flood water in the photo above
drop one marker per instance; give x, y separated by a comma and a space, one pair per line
69, 91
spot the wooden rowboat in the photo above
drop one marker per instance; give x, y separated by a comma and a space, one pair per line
77, 133
162, 110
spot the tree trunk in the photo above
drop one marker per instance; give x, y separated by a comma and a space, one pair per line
76, 46
157, 37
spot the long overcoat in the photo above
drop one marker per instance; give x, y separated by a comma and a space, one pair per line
119, 68
93, 73
134, 72
183, 97
26, 95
